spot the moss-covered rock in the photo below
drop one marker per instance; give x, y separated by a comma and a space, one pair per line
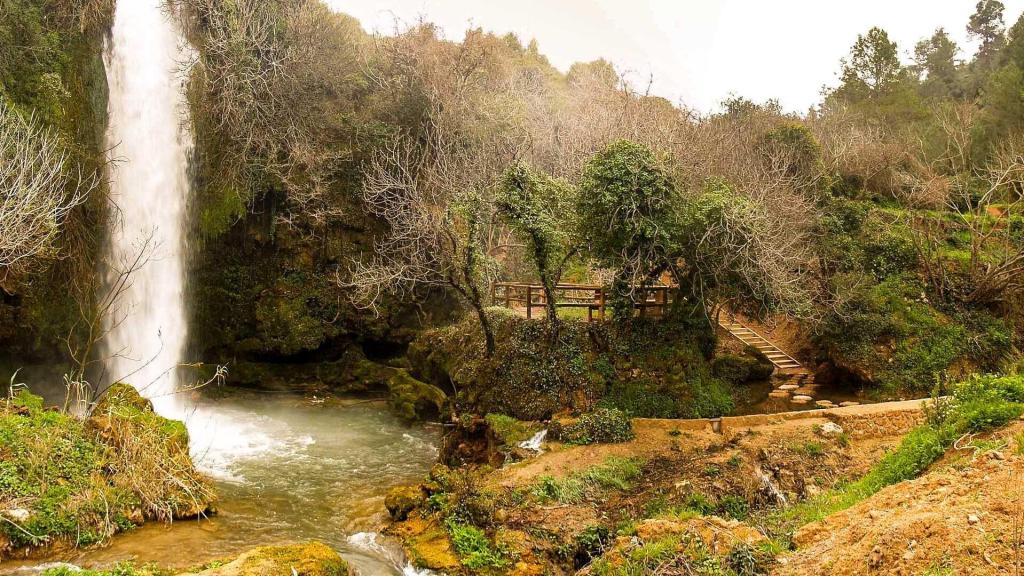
309, 559
81, 481
402, 500
427, 544
411, 398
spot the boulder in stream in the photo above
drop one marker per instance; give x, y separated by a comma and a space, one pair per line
309, 559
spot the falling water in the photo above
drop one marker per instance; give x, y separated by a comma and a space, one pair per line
150, 145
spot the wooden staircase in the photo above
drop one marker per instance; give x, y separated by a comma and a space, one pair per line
784, 362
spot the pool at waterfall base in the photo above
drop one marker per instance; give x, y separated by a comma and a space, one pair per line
287, 468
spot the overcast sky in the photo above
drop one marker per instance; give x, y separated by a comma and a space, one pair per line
697, 51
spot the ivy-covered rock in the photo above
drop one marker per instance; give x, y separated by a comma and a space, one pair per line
751, 366
651, 368
892, 335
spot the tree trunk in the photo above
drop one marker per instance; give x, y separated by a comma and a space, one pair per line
549, 302
485, 325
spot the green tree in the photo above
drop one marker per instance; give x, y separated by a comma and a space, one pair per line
626, 216
986, 25
538, 209
1015, 43
873, 68
1003, 107
877, 86
935, 61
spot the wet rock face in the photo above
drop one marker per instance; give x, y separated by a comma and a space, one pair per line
310, 559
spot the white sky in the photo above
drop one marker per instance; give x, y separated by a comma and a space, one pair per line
698, 51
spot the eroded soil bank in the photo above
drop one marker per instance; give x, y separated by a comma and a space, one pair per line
555, 513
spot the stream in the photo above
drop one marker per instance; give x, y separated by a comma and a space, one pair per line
286, 469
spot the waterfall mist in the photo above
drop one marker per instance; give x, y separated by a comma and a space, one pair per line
150, 144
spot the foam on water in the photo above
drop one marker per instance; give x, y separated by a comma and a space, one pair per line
370, 542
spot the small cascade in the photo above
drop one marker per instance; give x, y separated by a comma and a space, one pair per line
769, 489
371, 542
534, 443
149, 145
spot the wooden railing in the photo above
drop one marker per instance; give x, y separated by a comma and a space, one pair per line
592, 298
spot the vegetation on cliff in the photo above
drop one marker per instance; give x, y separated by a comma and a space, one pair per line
652, 368
52, 121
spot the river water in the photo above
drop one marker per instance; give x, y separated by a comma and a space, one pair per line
286, 469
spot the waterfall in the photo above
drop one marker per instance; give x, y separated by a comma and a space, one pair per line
150, 143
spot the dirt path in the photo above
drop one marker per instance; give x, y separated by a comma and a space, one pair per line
661, 437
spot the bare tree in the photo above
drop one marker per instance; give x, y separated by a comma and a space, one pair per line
40, 185
980, 201
433, 189
436, 230
996, 263
268, 82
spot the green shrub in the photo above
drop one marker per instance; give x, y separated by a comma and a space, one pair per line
603, 425
710, 398
701, 504
591, 543
733, 506
745, 560
892, 252
474, 548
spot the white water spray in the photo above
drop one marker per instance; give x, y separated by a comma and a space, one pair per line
150, 141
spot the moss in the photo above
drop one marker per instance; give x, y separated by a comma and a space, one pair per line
309, 559
82, 481
411, 398
739, 369
509, 431
402, 500
121, 569
51, 67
